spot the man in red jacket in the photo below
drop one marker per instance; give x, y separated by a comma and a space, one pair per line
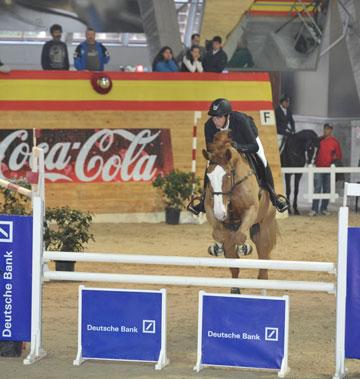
329, 151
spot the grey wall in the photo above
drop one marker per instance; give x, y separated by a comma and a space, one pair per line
27, 56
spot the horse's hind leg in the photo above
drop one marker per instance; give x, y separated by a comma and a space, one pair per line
264, 237
230, 252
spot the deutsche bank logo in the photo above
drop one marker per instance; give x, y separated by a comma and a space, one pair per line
271, 334
148, 326
6, 231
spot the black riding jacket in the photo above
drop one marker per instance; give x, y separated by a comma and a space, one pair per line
243, 132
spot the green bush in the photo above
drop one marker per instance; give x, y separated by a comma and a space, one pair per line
67, 229
176, 188
14, 203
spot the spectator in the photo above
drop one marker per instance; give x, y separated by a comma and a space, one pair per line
285, 123
195, 41
5, 69
90, 54
192, 60
242, 57
54, 55
329, 152
216, 59
164, 61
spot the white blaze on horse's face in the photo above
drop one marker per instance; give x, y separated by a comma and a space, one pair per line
216, 179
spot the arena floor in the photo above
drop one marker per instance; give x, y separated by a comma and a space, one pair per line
312, 315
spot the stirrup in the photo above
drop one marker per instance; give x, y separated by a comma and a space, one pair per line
216, 249
198, 208
281, 203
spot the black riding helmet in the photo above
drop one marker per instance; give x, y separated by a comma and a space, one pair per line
220, 107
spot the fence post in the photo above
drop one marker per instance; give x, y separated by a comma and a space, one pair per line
38, 208
332, 183
311, 183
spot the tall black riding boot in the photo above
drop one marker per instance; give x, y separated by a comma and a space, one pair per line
280, 202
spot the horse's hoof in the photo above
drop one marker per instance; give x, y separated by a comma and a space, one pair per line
235, 291
243, 250
215, 250
296, 212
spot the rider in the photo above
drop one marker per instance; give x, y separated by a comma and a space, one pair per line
245, 139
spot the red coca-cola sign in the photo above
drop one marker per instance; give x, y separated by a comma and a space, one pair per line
89, 155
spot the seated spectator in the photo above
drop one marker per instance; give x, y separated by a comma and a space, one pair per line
242, 57
5, 69
164, 61
54, 55
216, 59
192, 60
90, 54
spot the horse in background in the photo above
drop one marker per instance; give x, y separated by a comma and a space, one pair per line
299, 149
236, 207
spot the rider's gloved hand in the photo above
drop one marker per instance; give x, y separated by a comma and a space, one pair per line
239, 147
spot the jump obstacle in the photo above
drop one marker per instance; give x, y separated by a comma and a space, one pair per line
40, 272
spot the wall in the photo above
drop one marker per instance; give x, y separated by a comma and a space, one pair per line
28, 56
249, 92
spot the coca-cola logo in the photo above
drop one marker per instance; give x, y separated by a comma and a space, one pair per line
89, 155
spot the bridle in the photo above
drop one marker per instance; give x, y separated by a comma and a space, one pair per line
232, 224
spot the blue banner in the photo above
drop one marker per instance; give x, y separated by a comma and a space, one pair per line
15, 277
120, 324
352, 329
243, 331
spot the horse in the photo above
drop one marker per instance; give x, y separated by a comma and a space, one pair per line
299, 149
236, 206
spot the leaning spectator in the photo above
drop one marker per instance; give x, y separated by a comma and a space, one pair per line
54, 55
285, 123
90, 54
242, 57
192, 60
329, 152
164, 61
216, 59
195, 41
5, 69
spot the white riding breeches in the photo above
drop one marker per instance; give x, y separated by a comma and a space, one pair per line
261, 152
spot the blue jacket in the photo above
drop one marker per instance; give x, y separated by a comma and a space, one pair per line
80, 55
166, 66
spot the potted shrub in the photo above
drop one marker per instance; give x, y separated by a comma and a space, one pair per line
66, 230
176, 188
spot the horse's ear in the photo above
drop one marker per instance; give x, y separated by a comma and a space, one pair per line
206, 155
228, 154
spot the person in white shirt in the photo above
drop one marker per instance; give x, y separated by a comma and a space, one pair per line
192, 60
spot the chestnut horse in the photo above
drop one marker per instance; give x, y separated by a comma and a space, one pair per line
236, 206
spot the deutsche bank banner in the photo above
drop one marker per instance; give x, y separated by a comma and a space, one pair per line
243, 331
15, 277
352, 332
127, 325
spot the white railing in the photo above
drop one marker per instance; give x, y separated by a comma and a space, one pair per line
311, 170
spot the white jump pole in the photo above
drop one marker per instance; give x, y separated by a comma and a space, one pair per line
191, 261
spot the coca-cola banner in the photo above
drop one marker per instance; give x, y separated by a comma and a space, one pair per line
89, 155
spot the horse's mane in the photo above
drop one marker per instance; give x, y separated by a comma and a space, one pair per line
222, 141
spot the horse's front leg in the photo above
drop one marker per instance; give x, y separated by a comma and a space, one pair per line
248, 220
288, 187
296, 192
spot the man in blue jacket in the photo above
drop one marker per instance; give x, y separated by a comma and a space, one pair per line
90, 54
